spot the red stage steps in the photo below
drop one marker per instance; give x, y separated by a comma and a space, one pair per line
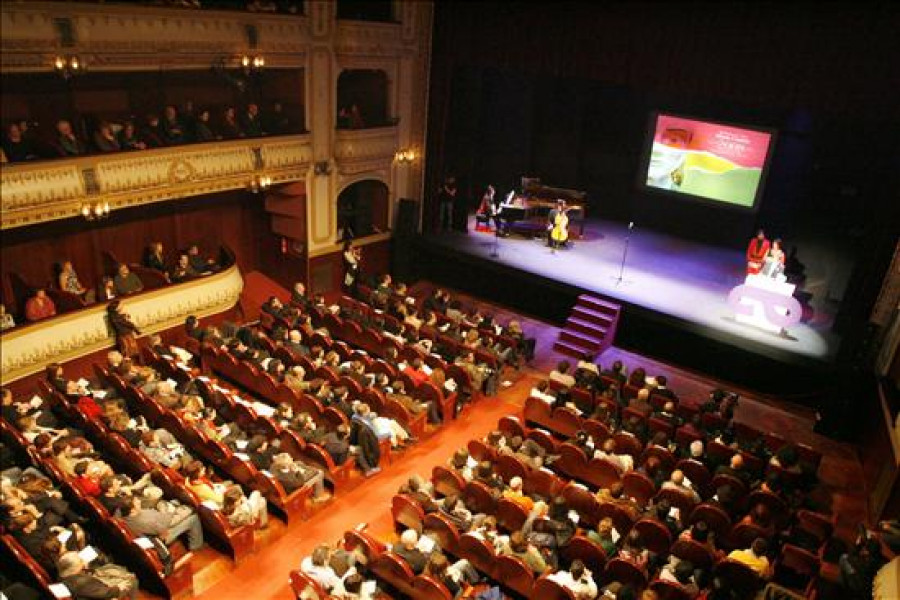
590, 328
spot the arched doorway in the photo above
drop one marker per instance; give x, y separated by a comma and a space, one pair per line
362, 209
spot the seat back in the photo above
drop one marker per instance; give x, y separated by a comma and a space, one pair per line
478, 552
600, 473
796, 567
511, 426
513, 573
510, 515
638, 486
738, 577
698, 474
566, 421
393, 570
407, 512
447, 482
582, 501
656, 536
624, 572
508, 466
587, 551
478, 498
669, 590
699, 555
543, 483
547, 589
426, 587
717, 519
443, 530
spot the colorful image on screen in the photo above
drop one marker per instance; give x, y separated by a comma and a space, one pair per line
713, 161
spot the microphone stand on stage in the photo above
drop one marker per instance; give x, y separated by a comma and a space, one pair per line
624, 253
495, 249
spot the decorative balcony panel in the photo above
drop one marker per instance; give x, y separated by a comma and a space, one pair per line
368, 39
34, 185
29, 349
169, 168
45, 191
292, 154
362, 149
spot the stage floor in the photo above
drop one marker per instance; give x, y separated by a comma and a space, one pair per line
676, 277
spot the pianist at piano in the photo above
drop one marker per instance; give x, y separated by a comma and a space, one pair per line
527, 213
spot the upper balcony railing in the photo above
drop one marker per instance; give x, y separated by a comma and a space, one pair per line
59, 189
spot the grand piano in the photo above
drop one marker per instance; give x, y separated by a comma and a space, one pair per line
526, 213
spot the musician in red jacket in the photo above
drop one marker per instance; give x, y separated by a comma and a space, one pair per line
756, 252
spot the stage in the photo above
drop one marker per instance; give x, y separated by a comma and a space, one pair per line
668, 279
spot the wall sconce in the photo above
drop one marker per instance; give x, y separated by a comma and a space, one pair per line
252, 63
322, 168
260, 183
95, 211
405, 156
68, 66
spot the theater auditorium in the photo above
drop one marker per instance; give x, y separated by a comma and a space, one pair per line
423, 299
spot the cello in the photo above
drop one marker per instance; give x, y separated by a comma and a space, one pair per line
559, 225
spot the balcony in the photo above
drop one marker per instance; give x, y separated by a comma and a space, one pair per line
30, 348
45, 191
357, 150
137, 37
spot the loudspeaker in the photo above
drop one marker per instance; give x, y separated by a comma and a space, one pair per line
407, 217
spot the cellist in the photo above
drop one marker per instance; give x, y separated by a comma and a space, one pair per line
558, 225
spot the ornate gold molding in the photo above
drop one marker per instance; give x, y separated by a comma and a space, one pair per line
38, 192
30, 349
365, 144
116, 36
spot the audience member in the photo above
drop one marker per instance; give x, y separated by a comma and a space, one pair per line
39, 306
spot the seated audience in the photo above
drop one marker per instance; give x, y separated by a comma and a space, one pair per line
578, 579
16, 146
104, 138
126, 282
6, 319
754, 557
67, 144
39, 306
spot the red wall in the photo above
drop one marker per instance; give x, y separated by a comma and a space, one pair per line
235, 219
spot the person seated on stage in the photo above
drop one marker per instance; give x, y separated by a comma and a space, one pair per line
561, 374
39, 306
126, 282
773, 265
757, 250
487, 211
